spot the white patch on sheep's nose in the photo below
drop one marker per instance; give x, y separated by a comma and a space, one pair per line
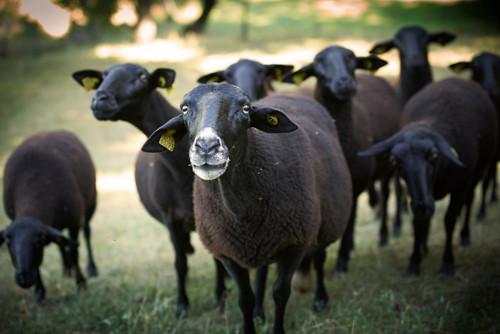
208, 154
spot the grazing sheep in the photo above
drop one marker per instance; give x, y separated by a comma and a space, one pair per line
362, 117
485, 69
446, 119
164, 181
415, 70
245, 171
49, 185
251, 76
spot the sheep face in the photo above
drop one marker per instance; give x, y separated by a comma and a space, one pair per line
121, 88
417, 153
251, 76
26, 239
216, 118
412, 43
334, 68
485, 69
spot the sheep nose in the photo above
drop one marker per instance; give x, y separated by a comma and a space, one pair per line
207, 145
101, 96
24, 279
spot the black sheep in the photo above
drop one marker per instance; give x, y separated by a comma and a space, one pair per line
412, 43
164, 181
49, 185
485, 68
251, 76
446, 119
245, 171
363, 117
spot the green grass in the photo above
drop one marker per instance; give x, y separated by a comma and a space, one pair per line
136, 289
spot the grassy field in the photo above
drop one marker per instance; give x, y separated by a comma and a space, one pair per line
135, 291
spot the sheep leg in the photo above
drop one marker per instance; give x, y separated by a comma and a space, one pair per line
282, 287
384, 191
65, 260
494, 184
347, 241
465, 232
481, 215
400, 204
320, 296
220, 286
39, 288
450, 220
177, 236
260, 289
246, 297
73, 255
91, 267
418, 236
372, 196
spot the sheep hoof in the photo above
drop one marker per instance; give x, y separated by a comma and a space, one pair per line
384, 240
465, 240
413, 269
181, 312
258, 315
341, 266
320, 305
92, 271
447, 269
396, 231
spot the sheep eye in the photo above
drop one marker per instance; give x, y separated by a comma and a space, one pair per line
393, 160
433, 155
245, 109
144, 78
184, 109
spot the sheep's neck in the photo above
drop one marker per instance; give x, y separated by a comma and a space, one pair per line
152, 112
412, 82
341, 111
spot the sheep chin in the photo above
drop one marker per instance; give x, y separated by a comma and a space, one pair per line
210, 172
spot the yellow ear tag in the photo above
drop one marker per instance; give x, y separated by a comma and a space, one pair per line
213, 79
454, 152
167, 140
278, 74
271, 119
161, 82
169, 88
89, 83
299, 77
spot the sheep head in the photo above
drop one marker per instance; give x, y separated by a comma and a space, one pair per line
121, 87
334, 69
251, 76
216, 118
415, 151
26, 238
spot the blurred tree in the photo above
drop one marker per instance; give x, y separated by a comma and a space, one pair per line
9, 11
97, 12
199, 25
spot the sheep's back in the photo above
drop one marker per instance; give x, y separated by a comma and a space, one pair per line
50, 176
463, 114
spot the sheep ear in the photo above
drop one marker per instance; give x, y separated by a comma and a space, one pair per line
212, 77
300, 75
165, 137
54, 235
442, 38
371, 63
271, 120
447, 150
276, 71
382, 47
88, 79
162, 78
379, 148
460, 66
